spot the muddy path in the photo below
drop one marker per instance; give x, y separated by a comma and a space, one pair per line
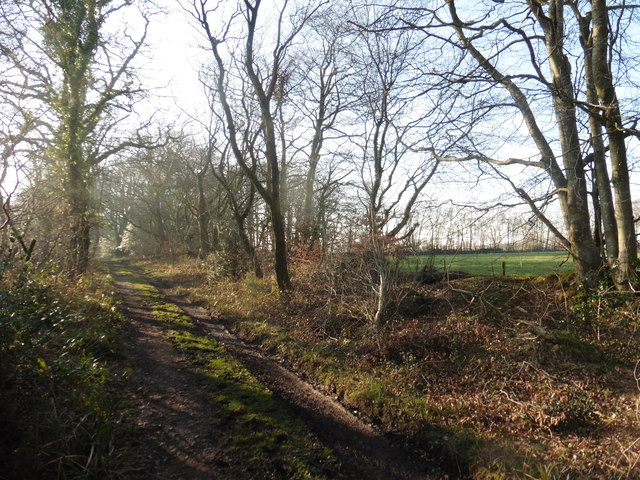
182, 437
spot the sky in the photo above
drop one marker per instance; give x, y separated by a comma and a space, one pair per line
172, 72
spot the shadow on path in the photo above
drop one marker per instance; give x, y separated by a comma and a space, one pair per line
178, 436
364, 452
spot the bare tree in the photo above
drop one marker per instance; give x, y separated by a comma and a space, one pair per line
241, 196
265, 77
599, 67
513, 62
324, 67
392, 175
239, 191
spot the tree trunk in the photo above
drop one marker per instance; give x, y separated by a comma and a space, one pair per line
603, 80
576, 209
80, 245
280, 248
270, 191
79, 202
249, 247
604, 217
203, 218
383, 300
307, 228
273, 198
80, 222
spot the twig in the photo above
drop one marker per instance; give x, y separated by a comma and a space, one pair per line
520, 404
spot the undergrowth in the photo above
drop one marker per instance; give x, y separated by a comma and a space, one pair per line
270, 442
499, 378
60, 415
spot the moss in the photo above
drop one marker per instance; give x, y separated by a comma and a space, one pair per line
369, 395
272, 443
581, 350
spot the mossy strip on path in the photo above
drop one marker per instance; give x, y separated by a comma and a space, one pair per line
273, 442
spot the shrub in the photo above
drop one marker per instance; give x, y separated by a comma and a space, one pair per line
59, 417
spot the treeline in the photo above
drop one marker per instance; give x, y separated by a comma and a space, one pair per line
323, 128
439, 251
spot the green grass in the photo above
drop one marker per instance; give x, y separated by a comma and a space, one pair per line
516, 263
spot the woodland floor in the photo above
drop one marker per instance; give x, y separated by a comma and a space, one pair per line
487, 377
180, 433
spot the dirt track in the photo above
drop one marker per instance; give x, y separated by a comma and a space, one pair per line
181, 437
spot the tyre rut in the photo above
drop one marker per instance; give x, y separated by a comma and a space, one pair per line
363, 450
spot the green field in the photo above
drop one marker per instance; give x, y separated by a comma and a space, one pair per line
516, 263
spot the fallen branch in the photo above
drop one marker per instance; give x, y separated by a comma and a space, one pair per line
539, 331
